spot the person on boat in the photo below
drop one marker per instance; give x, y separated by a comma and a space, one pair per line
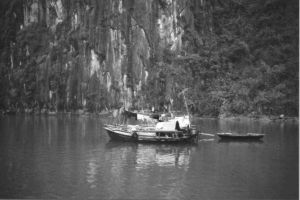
122, 115
118, 115
152, 109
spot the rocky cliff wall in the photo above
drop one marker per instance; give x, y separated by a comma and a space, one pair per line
235, 57
108, 45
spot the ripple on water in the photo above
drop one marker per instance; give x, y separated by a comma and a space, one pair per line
72, 158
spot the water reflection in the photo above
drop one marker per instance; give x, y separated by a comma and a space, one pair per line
92, 172
236, 141
171, 161
63, 157
148, 155
163, 156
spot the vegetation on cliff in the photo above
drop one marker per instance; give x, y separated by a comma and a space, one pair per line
235, 57
240, 58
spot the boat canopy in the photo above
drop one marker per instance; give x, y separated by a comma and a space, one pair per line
168, 125
184, 121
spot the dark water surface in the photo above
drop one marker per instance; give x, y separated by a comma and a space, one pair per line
61, 157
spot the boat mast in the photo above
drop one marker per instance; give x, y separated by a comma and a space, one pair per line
185, 101
186, 106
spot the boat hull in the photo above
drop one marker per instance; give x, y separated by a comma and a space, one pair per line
140, 137
240, 137
117, 136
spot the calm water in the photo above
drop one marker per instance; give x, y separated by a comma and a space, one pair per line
60, 157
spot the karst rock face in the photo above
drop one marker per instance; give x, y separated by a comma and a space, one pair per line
103, 45
233, 57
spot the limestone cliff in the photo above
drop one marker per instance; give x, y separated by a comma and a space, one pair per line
95, 47
238, 57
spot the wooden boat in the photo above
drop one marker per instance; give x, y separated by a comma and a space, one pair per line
162, 132
248, 136
168, 130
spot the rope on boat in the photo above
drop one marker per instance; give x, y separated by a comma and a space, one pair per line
207, 134
206, 140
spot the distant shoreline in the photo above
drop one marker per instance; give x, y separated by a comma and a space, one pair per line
260, 118
109, 112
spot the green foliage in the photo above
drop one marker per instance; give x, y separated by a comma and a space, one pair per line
237, 58
34, 39
96, 95
247, 64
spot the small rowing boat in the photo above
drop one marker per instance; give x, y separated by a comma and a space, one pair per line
248, 136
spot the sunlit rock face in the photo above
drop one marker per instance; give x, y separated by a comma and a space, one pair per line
55, 13
112, 40
95, 65
98, 54
170, 32
33, 12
